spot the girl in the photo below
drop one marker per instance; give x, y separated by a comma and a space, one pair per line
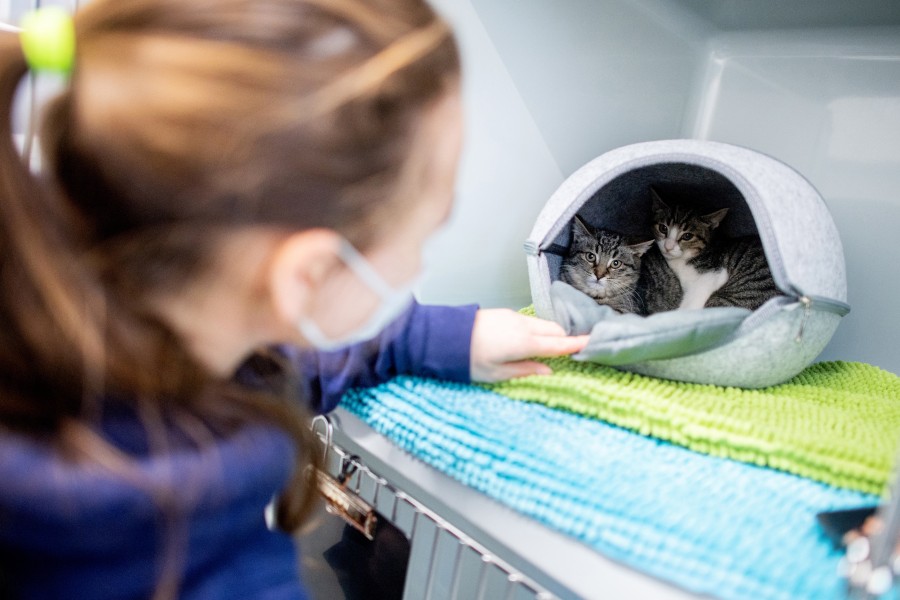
231, 189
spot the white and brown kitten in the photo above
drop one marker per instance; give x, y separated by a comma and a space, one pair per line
711, 270
604, 266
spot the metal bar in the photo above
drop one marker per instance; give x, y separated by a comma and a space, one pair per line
429, 586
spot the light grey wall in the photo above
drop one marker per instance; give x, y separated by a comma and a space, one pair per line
728, 15
597, 74
506, 174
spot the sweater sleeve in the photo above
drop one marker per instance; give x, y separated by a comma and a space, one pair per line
426, 340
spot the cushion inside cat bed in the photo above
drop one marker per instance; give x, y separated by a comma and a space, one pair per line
765, 197
621, 339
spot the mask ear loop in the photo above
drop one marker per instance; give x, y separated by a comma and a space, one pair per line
392, 302
361, 267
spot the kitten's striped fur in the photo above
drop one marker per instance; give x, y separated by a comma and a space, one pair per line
710, 270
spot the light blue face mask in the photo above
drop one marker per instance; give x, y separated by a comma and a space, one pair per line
393, 302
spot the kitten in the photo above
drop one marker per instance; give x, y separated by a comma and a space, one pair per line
602, 265
658, 286
711, 270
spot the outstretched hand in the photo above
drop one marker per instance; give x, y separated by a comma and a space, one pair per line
503, 341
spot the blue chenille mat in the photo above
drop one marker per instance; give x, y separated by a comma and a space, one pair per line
707, 524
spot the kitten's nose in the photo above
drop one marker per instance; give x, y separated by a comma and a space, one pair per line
601, 272
669, 245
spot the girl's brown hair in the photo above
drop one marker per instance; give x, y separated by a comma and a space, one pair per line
184, 121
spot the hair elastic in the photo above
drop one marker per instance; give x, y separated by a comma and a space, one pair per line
48, 39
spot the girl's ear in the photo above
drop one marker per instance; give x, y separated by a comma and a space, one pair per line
299, 265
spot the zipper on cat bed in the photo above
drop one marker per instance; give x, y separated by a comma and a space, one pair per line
822, 303
807, 303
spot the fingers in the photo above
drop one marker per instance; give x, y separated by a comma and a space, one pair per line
543, 327
523, 368
555, 346
504, 341
513, 370
547, 339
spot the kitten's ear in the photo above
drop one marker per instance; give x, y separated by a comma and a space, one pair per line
714, 219
658, 205
579, 229
641, 248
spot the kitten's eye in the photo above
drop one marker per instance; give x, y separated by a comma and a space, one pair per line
616, 264
662, 229
590, 256
687, 237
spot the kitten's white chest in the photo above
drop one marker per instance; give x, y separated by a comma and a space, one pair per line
697, 287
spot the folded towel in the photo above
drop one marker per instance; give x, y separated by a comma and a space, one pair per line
836, 422
711, 525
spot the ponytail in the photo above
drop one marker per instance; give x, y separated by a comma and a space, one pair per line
48, 308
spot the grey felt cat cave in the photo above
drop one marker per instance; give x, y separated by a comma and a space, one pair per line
765, 197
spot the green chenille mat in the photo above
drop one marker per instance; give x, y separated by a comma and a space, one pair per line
836, 422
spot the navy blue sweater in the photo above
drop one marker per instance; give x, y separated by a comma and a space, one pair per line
79, 531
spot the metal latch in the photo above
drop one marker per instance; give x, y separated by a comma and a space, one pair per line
345, 503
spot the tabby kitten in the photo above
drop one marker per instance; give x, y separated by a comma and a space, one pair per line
602, 265
711, 270
658, 285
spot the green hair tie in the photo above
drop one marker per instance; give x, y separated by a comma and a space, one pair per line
48, 39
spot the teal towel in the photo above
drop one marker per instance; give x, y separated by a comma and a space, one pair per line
708, 524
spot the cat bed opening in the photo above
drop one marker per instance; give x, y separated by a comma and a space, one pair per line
766, 198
